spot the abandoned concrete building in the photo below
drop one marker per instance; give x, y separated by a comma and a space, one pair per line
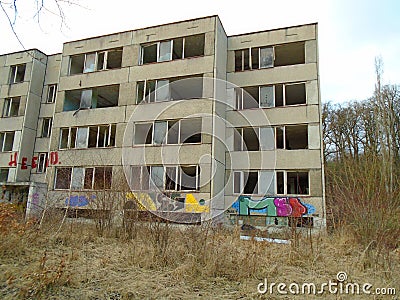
191, 120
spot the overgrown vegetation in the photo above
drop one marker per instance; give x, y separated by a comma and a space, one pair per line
162, 260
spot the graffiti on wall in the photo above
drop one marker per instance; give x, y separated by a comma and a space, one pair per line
175, 202
273, 207
78, 200
52, 159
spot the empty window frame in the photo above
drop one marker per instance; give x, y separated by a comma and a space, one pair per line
268, 57
165, 178
102, 136
178, 48
46, 127
270, 96
291, 137
246, 182
293, 182
11, 107
6, 141
51, 93
88, 137
95, 61
246, 139
17, 73
62, 178
184, 131
99, 97
4, 174
78, 178
158, 90
41, 163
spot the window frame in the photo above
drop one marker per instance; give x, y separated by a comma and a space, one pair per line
14, 73
3, 138
51, 93
41, 163
70, 129
8, 104
285, 182
46, 133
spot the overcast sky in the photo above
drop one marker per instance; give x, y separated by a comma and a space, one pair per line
351, 33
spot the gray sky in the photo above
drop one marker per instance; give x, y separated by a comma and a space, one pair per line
351, 33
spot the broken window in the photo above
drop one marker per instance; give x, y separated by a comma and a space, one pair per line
102, 178
185, 88
139, 179
295, 94
11, 107
77, 178
143, 133
46, 127
63, 178
194, 45
41, 163
245, 182
51, 93
102, 136
99, 97
64, 136
189, 178
157, 177
165, 51
173, 132
292, 137
293, 182
297, 183
170, 179
95, 61
162, 90
4, 174
266, 57
177, 48
254, 97
17, 73
160, 131
267, 140
246, 139
82, 137
190, 130
289, 54
6, 141
267, 96
89, 178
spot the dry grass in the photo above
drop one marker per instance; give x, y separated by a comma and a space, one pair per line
158, 261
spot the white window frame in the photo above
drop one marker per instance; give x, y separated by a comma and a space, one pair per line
242, 183
47, 133
13, 78
197, 177
56, 175
51, 93
41, 163
285, 182
3, 138
239, 130
8, 102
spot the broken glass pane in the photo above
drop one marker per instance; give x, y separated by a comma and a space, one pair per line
160, 131
165, 51
162, 92
266, 57
81, 138
90, 63
267, 96
77, 178
86, 99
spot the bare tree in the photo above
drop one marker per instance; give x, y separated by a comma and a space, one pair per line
37, 10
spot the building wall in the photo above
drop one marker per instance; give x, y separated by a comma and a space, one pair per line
215, 154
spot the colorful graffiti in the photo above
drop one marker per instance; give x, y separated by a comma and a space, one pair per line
176, 202
273, 207
52, 159
78, 200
